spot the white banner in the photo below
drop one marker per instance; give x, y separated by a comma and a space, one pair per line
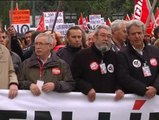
22, 28
49, 18
63, 28
95, 20
75, 106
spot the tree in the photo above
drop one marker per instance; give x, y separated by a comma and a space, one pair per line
107, 8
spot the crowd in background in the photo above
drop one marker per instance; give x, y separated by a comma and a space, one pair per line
118, 59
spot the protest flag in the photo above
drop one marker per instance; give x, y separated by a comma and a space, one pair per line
127, 18
87, 19
16, 6
108, 22
80, 20
141, 12
156, 17
41, 24
132, 17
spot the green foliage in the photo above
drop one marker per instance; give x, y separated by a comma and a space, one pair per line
107, 8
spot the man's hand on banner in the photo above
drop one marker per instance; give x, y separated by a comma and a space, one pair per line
35, 89
91, 95
119, 94
47, 87
13, 91
151, 91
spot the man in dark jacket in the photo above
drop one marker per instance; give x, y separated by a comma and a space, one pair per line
14, 44
139, 63
95, 68
44, 70
74, 44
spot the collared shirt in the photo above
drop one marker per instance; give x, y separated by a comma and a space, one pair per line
44, 61
140, 51
116, 47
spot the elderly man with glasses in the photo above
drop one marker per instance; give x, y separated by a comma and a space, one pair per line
44, 71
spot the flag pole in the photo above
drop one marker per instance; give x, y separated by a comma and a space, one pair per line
11, 21
151, 11
11, 8
57, 12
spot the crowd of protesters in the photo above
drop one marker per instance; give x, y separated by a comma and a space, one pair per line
119, 59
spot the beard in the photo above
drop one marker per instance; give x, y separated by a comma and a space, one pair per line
103, 47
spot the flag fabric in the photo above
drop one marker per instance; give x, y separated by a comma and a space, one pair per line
135, 1
132, 17
157, 13
16, 6
108, 22
87, 19
127, 18
80, 20
41, 24
84, 25
141, 12
156, 17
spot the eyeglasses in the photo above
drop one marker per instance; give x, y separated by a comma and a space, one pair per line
41, 44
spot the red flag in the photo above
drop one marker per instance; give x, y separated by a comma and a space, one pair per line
141, 12
108, 22
80, 20
41, 24
156, 17
135, 1
157, 13
87, 19
16, 7
132, 17
84, 25
127, 18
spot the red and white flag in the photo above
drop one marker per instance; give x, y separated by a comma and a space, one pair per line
127, 17
132, 17
41, 24
87, 20
16, 6
108, 22
156, 17
141, 12
82, 22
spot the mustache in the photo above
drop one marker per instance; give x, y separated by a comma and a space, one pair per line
104, 47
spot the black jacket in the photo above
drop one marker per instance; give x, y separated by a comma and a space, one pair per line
15, 46
131, 74
68, 53
87, 74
